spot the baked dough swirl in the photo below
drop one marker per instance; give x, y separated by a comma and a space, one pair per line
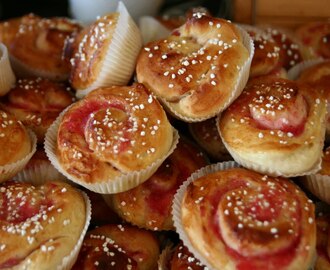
239, 219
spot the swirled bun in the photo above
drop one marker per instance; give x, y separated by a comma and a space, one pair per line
323, 242
276, 126
36, 45
198, 70
36, 103
233, 218
118, 247
40, 226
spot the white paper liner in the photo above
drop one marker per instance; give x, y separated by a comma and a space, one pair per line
319, 185
9, 170
296, 70
108, 186
151, 29
165, 257
178, 198
119, 62
236, 91
69, 261
7, 76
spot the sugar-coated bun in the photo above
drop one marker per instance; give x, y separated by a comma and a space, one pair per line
37, 102
149, 204
197, 69
276, 126
118, 247
36, 45
40, 226
234, 218
323, 242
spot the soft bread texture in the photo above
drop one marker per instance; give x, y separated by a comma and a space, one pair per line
36, 45
40, 225
276, 127
226, 217
37, 103
112, 131
195, 71
149, 204
119, 247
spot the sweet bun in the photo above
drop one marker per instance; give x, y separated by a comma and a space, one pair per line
41, 227
276, 126
199, 69
118, 247
37, 102
234, 218
105, 52
111, 140
36, 45
149, 204
323, 242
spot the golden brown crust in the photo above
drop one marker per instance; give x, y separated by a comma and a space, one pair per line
149, 204
239, 219
196, 68
118, 247
276, 126
323, 243
113, 130
37, 44
37, 103
39, 225
325, 167
15, 141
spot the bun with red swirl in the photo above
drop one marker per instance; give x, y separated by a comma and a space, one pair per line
36, 45
111, 140
276, 126
118, 247
149, 204
199, 69
36, 103
41, 227
234, 218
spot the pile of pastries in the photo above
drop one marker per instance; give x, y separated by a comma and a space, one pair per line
204, 145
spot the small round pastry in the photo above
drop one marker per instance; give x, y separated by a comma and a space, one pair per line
41, 227
276, 126
17, 143
234, 218
37, 102
206, 135
315, 36
36, 45
149, 204
106, 52
111, 140
199, 69
118, 247
323, 242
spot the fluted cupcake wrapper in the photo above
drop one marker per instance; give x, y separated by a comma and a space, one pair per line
118, 184
178, 198
151, 29
69, 260
10, 170
236, 91
319, 185
295, 71
7, 76
119, 62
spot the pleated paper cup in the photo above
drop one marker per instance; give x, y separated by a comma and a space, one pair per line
10, 170
294, 72
119, 62
7, 76
242, 79
123, 182
318, 185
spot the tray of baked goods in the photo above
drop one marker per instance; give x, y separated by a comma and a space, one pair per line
178, 142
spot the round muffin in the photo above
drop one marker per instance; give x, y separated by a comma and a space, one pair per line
41, 227
118, 247
36, 45
234, 218
199, 69
149, 204
37, 102
276, 126
111, 140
